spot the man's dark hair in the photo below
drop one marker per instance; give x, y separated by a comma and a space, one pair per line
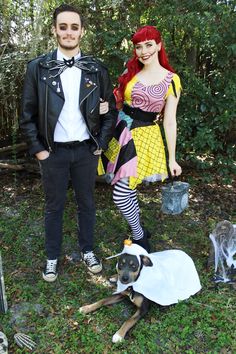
64, 8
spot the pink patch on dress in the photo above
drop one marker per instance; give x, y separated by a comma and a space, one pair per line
126, 170
125, 137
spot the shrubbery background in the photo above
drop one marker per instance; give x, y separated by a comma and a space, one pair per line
199, 37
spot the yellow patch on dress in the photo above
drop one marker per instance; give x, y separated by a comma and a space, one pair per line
100, 169
113, 150
128, 90
151, 153
178, 86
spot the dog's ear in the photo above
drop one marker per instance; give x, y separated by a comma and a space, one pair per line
146, 261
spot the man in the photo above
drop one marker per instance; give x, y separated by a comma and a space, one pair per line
66, 132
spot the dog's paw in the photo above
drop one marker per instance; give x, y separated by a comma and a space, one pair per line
117, 338
84, 309
113, 280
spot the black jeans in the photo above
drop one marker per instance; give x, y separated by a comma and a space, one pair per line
79, 164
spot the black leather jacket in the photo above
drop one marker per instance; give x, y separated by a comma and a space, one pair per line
43, 99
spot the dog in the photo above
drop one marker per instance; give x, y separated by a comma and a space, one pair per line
128, 269
161, 277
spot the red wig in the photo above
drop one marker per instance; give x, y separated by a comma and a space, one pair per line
144, 33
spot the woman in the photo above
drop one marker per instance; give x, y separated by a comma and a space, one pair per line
148, 90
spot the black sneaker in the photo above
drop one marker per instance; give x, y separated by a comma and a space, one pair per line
50, 272
92, 262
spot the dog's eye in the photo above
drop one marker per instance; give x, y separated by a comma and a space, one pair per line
121, 263
134, 267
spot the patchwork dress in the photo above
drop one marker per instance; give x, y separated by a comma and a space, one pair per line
136, 150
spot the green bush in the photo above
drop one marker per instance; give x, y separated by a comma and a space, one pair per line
199, 37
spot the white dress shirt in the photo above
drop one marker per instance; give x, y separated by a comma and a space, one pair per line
70, 125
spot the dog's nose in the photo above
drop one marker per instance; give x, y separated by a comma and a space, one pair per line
125, 279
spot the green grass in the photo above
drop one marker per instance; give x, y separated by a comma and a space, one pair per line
203, 324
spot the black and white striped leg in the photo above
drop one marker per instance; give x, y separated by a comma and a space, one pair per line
126, 201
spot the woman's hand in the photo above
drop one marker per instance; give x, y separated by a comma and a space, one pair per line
175, 168
103, 107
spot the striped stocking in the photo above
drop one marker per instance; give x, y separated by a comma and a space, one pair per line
127, 202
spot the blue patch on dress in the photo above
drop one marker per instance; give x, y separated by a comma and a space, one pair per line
123, 116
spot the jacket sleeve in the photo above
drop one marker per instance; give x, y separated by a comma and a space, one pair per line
108, 120
29, 110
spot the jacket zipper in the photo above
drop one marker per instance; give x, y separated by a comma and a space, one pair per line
45, 118
90, 112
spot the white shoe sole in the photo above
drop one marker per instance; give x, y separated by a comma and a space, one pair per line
50, 279
93, 270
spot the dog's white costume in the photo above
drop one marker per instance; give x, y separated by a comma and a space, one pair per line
172, 277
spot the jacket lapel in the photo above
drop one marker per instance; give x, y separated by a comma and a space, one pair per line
45, 75
87, 86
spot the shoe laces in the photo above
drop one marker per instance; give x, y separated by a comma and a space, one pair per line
90, 258
51, 266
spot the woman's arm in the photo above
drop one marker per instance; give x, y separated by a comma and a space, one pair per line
170, 127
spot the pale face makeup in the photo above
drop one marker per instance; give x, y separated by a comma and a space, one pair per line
147, 51
68, 31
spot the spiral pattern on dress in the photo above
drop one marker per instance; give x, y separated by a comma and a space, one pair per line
140, 98
150, 98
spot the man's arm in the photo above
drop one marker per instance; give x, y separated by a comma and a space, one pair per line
29, 110
109, 119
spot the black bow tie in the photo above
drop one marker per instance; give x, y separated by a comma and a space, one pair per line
69, 62
82, 63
